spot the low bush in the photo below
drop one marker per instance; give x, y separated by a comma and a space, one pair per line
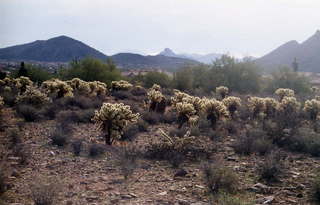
122, 95
14, 137
130, 132
152, 118
77, 147
142, 126
306, 141
169, 118
127, 161
271, 169
220, 178
96, 150
60, 137
28, 112
315, 190
23, 153
3, 179
44, 193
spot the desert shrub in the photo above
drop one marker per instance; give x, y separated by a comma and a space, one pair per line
306, 141
3, 179
9, 97
28, 112
59, 137
161, 79
23, 153
263, 145
142, 125
14, 137
138, 91
81, 102
84, 116
178, 132
127, 161
113, 118
222, 91
244, 145
271, 107
152, 118
218, 177
231, 126
315, 189
130, 132
96, 150
169, 117
75, 116
122, 94
44, 192
33, 96
77, 147
271, 169
50, 111
228, 199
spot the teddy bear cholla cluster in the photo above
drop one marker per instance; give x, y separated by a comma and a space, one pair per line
20, 83
284, 92
232, 104
114, 117
95, 88
154, 94
121, 85
33, 96
1, 102
312, 107
222, 91
215, 110
58, 88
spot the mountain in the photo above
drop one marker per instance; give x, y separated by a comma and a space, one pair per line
65, 49
207, 58
58, 49
133, 61
307, 54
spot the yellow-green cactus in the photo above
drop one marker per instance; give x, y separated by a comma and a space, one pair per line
58, 88
271, 107
185, 112
121, 85
98, 88
113, 118
157, 101
312, 107
215, 110
1, 102
22, 82
79, 85
232, 104
289, 105
284, 92
33, 96
222, 91
256, 105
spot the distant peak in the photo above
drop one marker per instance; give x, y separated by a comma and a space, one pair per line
62, 37
167, 52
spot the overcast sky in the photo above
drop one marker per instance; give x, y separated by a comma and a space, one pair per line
239, 27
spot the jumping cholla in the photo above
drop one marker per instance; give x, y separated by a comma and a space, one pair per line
58, 88
271, 107
312, 107
215, 110
222, 91
184, 97
98, 88
232, 104
284, 92
256, 106
1, 103
289, 105
178, 96
120, 85
113, 118
79, 85
177, 143
186, 113
33, 96
157, 101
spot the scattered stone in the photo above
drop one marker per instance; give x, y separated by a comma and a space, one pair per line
52, 154
260, 188
92, 198
133, 195
181, 173
126, 196
200, 187
163, 193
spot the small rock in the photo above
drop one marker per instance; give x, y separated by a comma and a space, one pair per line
133, 195
126, 196
92, 198
259, 188
181, 173
163, 193
52, 154
234, 159
200, 187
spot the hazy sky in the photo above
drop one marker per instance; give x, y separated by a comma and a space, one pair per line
247, 27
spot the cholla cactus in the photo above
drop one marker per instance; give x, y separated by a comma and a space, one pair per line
79, 85
215, 110
33, 96
157, 101
232, 104
222, 91
1, 103
283, 92
58, 88
9, 82
314, 89
156, 87
177, 143
184, 97
98, 88
186, 113
178, 96
113, 118
289, 105
256, 106
120, 85
312, 107
271, 107
22, 82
